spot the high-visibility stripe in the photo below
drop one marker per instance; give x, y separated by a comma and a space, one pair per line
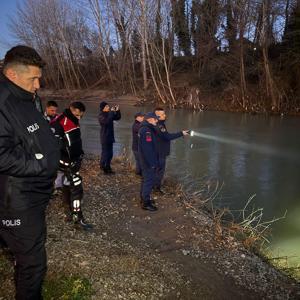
64, 163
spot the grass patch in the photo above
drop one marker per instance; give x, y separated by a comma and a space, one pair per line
283, 264
251, 229
6, 263
67, 288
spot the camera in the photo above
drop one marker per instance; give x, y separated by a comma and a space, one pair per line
115, 108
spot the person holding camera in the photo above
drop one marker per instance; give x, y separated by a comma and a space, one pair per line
67, 129
106, 119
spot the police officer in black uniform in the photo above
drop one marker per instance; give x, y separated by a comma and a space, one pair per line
29, 157
164, 139
148, 157
106, 118
138, 119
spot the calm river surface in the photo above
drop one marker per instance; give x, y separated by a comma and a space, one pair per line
246, 154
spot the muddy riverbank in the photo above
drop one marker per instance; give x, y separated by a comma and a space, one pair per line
174, 253
207, 102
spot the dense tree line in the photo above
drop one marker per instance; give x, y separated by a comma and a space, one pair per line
245, 51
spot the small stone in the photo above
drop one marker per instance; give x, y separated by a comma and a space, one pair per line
185, 252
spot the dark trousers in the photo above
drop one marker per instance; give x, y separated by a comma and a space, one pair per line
106, 155
25, 234
148, 181
73, 194
160, 172
138, 169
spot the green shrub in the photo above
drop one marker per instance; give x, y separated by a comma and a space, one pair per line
67, 288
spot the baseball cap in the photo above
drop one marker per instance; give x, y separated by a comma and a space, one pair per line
150, 115
139, 114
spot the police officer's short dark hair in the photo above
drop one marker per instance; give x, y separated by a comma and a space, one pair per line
79, 105
51, 103
22, 55
159, 109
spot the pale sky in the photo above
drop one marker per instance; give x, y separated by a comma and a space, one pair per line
7, 9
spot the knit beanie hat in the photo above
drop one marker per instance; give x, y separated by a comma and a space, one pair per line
102, 105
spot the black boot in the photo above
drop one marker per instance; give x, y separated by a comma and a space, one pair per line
79, 220
151, 201
84, 225
149, 206
108, 171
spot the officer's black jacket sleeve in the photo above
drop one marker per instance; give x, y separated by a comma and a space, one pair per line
169, 136
14, 160
117, 115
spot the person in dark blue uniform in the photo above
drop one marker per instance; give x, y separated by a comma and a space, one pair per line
148, 156
138, 119
164, 139
106, 119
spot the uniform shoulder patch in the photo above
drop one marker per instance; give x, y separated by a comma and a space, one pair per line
148, 136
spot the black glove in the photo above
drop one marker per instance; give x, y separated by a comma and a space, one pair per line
75, 166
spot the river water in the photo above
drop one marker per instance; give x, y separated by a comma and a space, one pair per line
243, 154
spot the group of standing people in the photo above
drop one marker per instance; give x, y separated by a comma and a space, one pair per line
34, 154
151, 143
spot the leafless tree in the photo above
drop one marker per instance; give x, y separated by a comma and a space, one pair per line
144, 44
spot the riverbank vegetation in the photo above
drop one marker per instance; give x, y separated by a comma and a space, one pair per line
247, 225
238, 55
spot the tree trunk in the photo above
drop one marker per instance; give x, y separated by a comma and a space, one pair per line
143, 44
270, 86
